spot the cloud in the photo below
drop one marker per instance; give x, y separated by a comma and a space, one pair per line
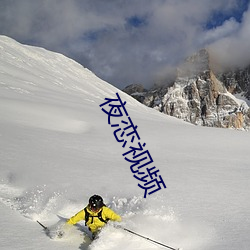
233, 49
126, 42
228, 28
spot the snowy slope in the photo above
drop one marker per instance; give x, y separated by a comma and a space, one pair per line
57, 149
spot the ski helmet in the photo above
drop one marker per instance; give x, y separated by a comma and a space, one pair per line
95, 202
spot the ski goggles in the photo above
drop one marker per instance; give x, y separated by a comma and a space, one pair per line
94, 208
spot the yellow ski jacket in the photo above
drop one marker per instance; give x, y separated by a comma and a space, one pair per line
94, 223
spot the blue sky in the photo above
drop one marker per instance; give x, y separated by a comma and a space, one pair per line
131, 41
218, 17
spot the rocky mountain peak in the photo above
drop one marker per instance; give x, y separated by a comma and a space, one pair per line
200, 96
196, 64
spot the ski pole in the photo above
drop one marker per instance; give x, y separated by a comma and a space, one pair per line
45, 228
149, 239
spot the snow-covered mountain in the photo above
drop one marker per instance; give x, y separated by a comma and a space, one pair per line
201, 95
237, 81
57, 149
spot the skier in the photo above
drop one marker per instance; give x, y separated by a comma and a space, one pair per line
95, 214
